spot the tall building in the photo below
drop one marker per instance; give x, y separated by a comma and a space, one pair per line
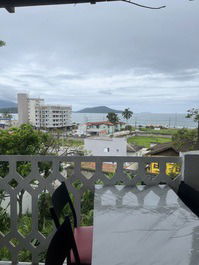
35, 112
22, 100
52, 116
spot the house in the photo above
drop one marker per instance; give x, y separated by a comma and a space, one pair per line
5, 123
136, 150
99, 128
164, 149
106, 146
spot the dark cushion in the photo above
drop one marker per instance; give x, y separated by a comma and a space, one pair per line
189, 196
84, 240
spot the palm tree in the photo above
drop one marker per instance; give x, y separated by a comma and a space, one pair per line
127, 114
112, 117
2, 43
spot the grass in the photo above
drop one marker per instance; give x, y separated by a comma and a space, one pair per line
161, 131
145, 141
73, 142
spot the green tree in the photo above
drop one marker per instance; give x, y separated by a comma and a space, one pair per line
129, 128
112, 117
44, 205
194, 114
185, 139
25, 141
127, 114
2, 43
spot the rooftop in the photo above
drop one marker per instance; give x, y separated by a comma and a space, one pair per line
158, 148
102, 122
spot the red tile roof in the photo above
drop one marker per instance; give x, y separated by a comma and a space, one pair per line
99, 123
106, 168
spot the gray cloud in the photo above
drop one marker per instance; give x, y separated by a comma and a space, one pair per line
68, 76
105, 92
108, 53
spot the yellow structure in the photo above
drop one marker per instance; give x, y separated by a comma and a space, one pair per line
171, 168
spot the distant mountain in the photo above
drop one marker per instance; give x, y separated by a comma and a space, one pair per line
9, 110
8, 106
100, 109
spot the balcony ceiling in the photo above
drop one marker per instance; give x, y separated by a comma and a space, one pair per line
10, 5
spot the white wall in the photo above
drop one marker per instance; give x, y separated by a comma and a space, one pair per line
106, 146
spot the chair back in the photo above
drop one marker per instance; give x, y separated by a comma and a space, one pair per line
60, 199
189, 196
61, 245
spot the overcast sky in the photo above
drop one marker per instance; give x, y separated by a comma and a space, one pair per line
112, 54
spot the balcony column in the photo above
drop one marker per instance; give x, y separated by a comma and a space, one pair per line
190, 170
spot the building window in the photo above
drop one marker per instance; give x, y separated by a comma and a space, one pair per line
106, 150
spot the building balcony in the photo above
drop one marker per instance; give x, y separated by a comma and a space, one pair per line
27, 233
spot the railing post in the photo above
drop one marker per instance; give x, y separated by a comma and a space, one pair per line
191, 169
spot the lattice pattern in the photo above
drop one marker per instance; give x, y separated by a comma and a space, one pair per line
72, 170
120, 196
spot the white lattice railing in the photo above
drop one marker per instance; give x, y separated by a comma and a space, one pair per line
80, 174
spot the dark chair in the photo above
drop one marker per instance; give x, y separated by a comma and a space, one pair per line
83, 234
189, 196
62, 245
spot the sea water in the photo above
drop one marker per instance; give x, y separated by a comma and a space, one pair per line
170, 120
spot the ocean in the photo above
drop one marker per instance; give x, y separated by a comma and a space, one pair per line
170, 120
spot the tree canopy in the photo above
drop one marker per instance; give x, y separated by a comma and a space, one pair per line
25, 141
112, 117
194, 114
2, 43
185, 139
127, 114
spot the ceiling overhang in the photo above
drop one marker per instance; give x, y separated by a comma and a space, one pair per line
10, 5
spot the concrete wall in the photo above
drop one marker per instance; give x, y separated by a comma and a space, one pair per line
106, 146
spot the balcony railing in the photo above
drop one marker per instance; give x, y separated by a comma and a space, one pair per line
80, 174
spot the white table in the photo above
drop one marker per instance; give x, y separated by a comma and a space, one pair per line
143, 226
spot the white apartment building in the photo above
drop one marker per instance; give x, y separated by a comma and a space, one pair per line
53, 116
35, 112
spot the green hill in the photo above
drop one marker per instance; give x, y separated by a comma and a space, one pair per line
100, 109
